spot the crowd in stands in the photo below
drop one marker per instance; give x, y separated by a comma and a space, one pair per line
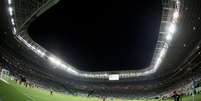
185, 89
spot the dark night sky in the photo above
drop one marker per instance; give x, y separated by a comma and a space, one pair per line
99, 35
4, 24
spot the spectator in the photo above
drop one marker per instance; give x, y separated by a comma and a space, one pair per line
176, 96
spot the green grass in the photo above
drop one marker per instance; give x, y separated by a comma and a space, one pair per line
15, 92
9, 93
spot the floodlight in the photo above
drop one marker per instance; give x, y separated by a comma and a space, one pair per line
64, 66
169, 37
10, 9
162, 53
12, 21
157, 64
146, 72
9, 2
105, 74
71, 70
175, 15
54, 60
14, 30
34, 48
159, 59
172, 28
40, 52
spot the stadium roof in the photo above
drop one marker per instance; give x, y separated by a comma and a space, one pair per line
169, 20
100, 35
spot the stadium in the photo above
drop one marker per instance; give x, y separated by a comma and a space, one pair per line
60, 50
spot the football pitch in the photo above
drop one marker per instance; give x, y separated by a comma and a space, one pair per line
15, 92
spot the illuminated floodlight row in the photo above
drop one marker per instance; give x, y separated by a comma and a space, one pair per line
170, 33
10, 11
61, 65
58, 63
172, 26
33, 48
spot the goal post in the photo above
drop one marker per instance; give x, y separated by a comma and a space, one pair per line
4, 74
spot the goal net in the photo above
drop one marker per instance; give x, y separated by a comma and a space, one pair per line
4, 74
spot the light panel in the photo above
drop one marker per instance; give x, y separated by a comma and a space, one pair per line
54, 60
14, 30
175, 15
10, 9
169, 37
9, 2
12, 21
172, 28
40, 52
